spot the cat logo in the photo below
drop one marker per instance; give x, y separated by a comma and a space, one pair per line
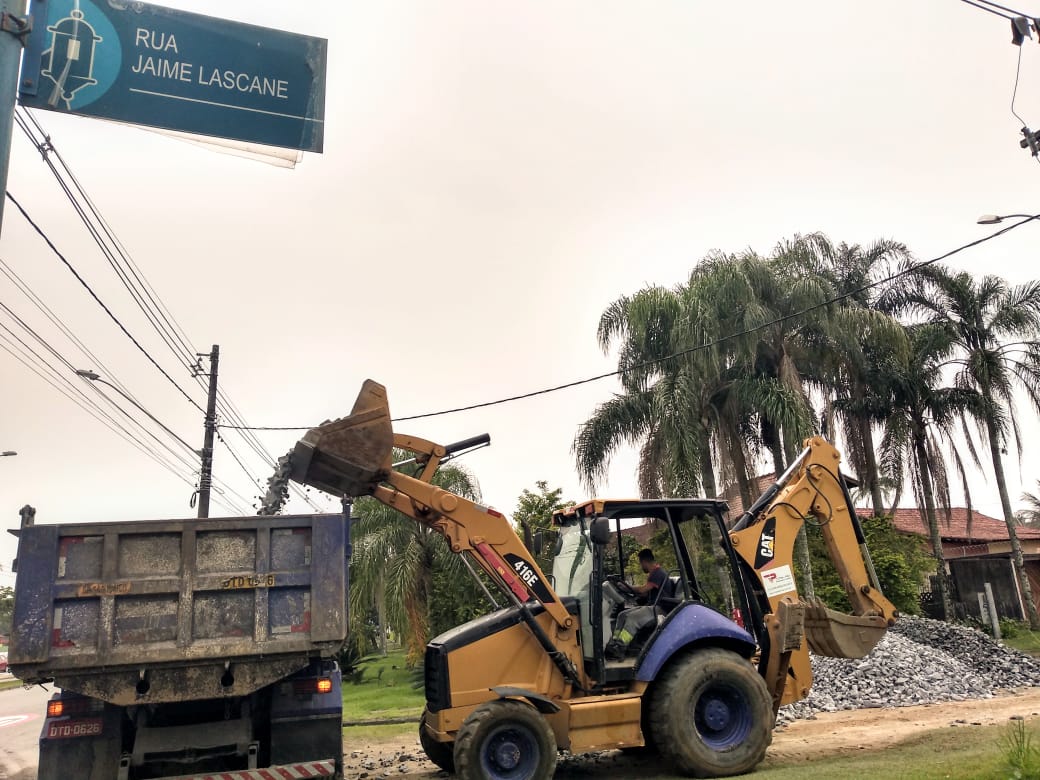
766, 546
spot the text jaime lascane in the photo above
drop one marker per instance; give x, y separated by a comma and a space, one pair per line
157, 61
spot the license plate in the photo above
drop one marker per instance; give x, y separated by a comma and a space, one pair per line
88, 727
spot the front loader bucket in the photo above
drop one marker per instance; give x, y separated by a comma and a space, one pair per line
349, 456
838, 635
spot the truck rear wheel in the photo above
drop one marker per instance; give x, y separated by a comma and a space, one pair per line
711, 715
505, 740
440, 753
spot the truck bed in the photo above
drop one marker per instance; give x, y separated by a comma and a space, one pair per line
169, 610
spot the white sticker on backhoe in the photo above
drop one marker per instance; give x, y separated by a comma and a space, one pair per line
778, 581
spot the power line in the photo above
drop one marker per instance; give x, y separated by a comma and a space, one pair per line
229, 409
43, 362
183, 461
93, 409
97, 410
129, 274
28, 350
100, 303
988, 10
134, 280
55, 320
138, 287
28, 355
692, 350
1001, 7
153, 309
1014, 90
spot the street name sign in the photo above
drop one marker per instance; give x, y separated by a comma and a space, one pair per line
148, 65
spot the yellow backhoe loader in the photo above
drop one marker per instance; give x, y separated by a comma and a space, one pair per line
701, 682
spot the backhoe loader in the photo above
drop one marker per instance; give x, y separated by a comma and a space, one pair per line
729, 643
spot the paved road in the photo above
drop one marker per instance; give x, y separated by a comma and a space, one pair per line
21, 717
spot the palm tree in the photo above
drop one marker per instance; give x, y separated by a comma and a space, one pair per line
1030, 515
394, 560
922, 417
685, 411
861, 338
995, 327
774, 306
661, 410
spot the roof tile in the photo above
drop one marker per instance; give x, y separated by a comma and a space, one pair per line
955, 527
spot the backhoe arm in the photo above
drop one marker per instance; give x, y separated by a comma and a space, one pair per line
764, 537
352, 456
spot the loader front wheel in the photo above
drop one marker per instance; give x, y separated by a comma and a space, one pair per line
505, 740
711, 714
440, 753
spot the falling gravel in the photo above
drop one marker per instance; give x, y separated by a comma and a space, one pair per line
920, 661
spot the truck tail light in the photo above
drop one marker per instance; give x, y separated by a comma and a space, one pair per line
79, 705
313, 685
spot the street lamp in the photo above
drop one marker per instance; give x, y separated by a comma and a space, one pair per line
7, 453
993, 219
95, 377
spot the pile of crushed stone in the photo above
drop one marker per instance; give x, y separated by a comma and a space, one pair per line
920, 661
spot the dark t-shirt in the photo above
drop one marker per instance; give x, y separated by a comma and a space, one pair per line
656, 578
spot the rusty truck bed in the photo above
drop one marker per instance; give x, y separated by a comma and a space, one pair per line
167, 610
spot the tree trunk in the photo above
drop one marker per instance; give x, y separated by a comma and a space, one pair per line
721, 561
708, 484
877, 501
381, 615
933, 528
1009, 519
417, 606
741, 472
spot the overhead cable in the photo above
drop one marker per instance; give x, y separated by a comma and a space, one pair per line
111, 247
93, 409
134, 280
55, 320
692, 350
100, 303
988, 10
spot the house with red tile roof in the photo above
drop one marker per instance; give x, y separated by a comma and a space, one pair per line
977, 550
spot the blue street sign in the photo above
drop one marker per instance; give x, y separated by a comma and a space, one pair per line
148, 65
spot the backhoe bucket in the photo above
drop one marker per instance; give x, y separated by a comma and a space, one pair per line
838, 635
349, 456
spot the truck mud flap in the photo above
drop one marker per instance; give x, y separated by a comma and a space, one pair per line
307, 769
837, 635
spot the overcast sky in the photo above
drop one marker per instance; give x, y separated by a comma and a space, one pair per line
494, 176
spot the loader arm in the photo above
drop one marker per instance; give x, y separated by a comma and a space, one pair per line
764, 537
352, 456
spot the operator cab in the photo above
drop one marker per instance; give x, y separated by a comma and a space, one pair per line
594, 551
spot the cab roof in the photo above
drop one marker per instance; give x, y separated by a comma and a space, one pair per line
658, 508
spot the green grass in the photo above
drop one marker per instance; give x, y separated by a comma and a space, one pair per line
383, 692
6, 685
1025, 641
961, 753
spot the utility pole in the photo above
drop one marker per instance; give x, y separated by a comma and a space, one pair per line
13, 26
206, 474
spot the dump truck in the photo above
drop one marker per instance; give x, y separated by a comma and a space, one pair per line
200, 648
700, 683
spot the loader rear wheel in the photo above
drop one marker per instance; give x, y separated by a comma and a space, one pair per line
711, 714
505, 740
440, 753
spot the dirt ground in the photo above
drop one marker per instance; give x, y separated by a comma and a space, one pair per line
829, 733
